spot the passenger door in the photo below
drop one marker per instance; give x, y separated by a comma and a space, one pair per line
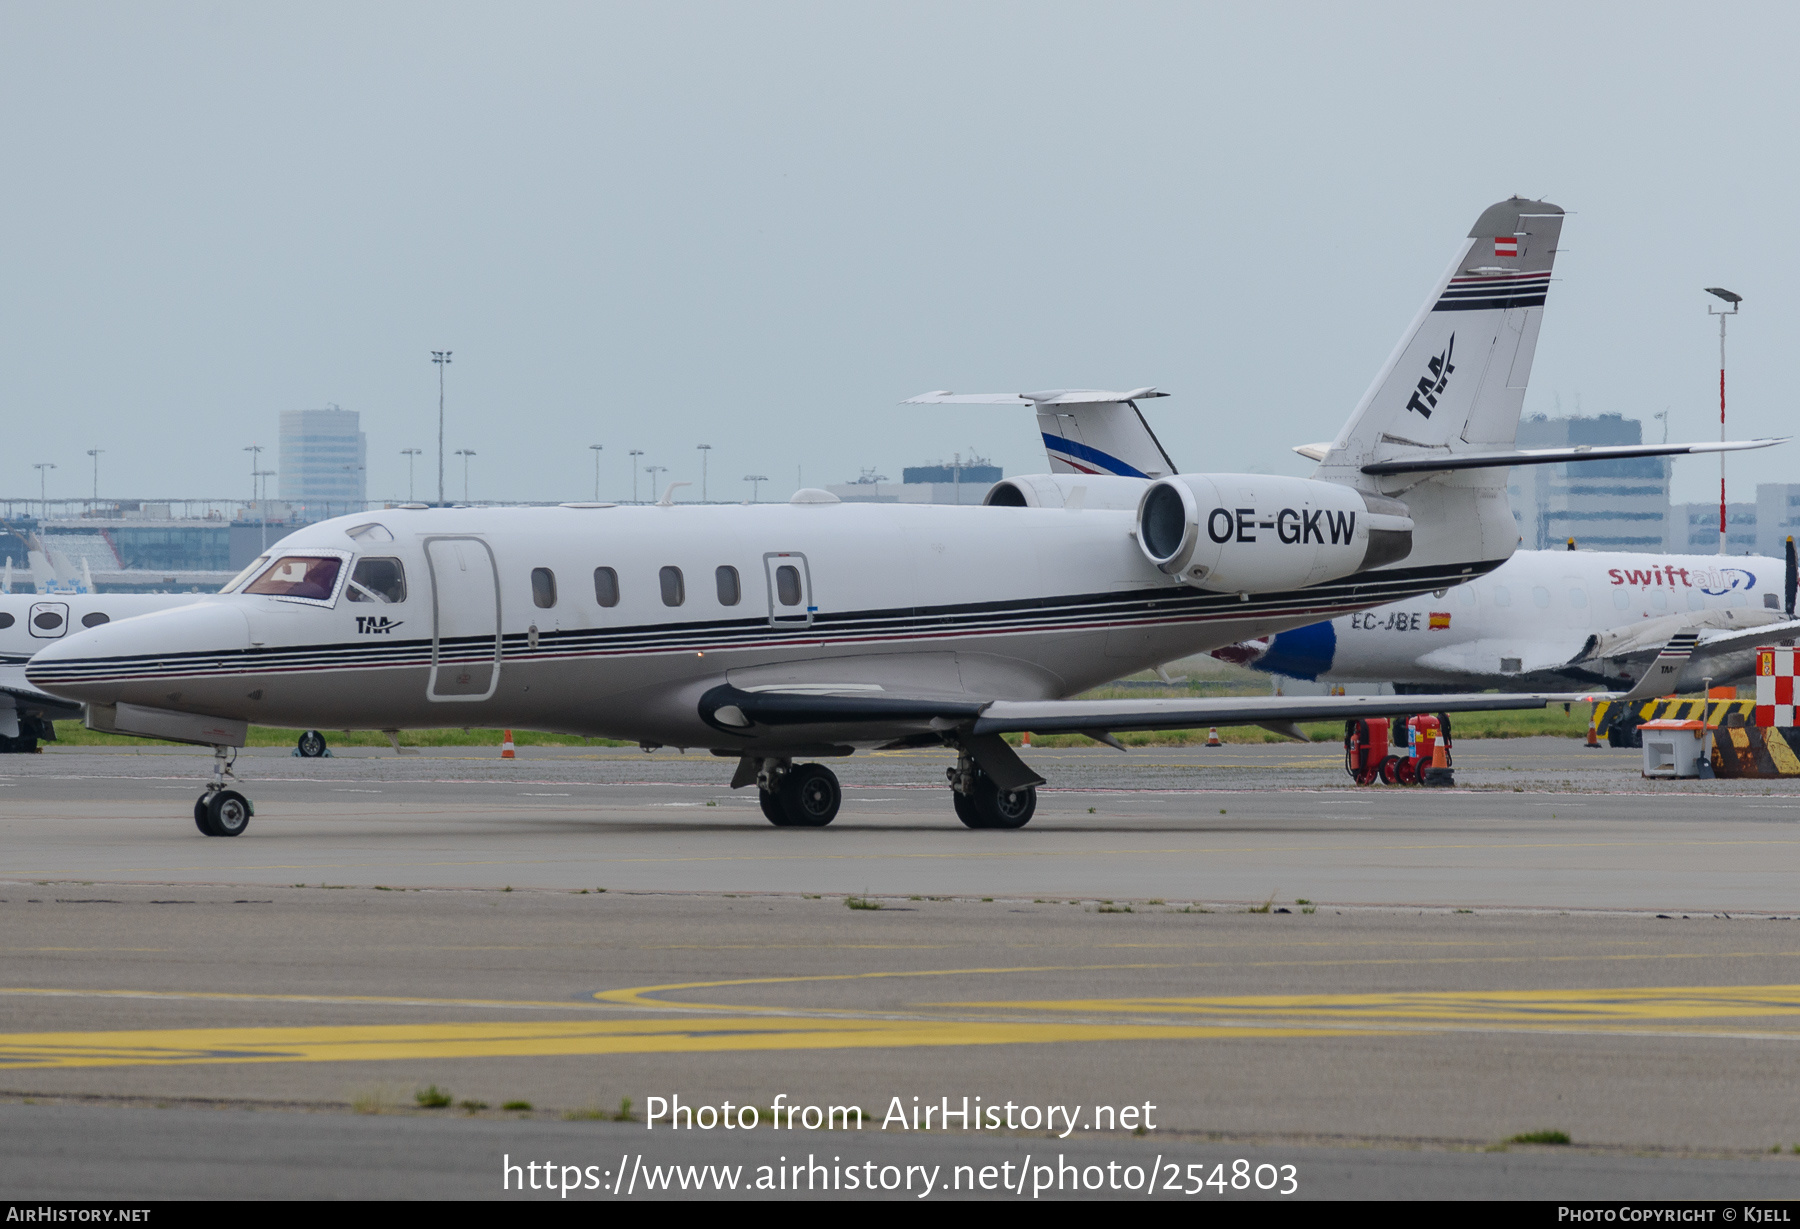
465, 619
790, 589
49, 619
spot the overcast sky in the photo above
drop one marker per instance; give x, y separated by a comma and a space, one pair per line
760, 226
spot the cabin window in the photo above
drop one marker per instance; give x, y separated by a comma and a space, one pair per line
1540, 596
1509, 665
1466, 594
95, 619
377, 580
787, 585
543, 588
1771, 601
1659, 598
606, 586
308, 576
1502, 595
1697, 599
48, 620
731, 592
6, 620
1621, 599
1578, 598
674, 589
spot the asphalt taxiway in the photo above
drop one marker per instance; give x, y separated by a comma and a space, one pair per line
1376, 985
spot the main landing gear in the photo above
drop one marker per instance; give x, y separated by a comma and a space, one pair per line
981, 803
798, 796
220, 811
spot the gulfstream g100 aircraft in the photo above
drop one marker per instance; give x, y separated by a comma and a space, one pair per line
771, 634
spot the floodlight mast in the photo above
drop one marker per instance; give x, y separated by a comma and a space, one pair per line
597, 450
442, 359
1734, 300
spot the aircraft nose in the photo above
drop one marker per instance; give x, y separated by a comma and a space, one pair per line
117, 660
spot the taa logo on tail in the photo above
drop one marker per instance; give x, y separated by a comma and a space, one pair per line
1431, 387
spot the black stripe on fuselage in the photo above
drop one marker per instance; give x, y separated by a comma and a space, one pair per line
1090, 611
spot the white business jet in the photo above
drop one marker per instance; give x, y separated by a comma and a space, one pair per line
773, 633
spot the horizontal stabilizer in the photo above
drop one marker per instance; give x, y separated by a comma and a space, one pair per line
1053, 396
1085, 430
1432, 462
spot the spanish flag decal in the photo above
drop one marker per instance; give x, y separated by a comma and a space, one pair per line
1440, 620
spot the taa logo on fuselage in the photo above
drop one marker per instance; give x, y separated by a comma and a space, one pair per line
1431, 387
376, 625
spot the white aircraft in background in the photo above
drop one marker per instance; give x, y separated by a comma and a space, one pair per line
29, 622
1547, 619
776, 632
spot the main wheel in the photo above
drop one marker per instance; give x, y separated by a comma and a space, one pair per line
1002, 808
967, 811
772, 810
811, 796
227, 813
311, 745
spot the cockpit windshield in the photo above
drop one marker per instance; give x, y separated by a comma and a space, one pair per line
307, 576
244, 575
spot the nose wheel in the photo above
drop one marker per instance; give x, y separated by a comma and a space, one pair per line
220, 811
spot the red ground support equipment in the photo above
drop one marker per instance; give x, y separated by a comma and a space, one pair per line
1365, 749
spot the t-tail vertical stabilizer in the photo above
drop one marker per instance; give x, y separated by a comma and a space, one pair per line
1455, 384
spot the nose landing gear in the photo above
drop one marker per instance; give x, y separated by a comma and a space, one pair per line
220, 811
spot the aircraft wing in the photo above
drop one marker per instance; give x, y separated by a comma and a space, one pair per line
24, 695
771, 718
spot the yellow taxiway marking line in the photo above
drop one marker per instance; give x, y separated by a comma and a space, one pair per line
360, 1000
366, 1043
1556, 1008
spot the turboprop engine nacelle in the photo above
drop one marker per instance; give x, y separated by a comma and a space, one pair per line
1255, 533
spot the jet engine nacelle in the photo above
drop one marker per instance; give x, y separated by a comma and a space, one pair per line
1255, 533
1092, 491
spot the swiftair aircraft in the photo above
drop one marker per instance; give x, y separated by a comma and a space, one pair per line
1547, 619
773, 633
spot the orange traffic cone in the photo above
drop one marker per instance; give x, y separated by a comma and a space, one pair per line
1593, 735
1439, 757
506, 748
1026, 740
1212, 737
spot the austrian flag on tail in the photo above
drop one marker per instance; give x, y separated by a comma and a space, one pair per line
1506, 245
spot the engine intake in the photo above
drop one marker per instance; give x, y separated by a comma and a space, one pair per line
1255, 533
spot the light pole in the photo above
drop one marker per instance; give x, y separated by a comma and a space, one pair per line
755, 481
262, 505
1734, 300
44, 498
635, 454
442, 359
654, 470
409, 454
465, 454
598, 449
704, 449
255, 451
95, 453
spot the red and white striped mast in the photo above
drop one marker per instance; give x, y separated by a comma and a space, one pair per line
1734, 300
